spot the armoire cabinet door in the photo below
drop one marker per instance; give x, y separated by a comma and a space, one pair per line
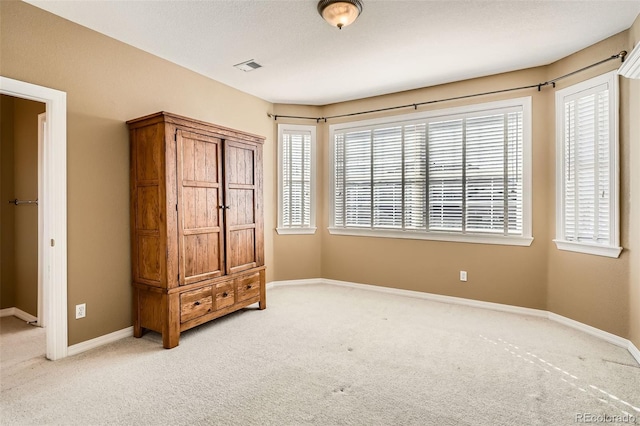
200, 220
241, 198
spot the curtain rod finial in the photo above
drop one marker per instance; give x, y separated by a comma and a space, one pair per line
622, 55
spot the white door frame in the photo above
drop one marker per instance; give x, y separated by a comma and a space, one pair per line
52, 201
42, 122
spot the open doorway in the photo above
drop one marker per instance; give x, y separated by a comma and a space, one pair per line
19, 214
22, 136
52, 199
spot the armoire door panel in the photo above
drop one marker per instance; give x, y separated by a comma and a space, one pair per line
243, 255
240, 164
148, 211
201, 207
202, 258
149, 266
241, 204
200, 239
148, 153
200, 158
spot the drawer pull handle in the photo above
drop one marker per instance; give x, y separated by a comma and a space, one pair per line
225, 294
249, 287
197, 303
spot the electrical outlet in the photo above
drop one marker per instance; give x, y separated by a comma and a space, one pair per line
463, 275
81, 311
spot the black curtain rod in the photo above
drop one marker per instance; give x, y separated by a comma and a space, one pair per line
539, 86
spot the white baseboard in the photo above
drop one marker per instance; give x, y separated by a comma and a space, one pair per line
18, 313
634, 351
596, 332
442, 299
99, 341
310, 281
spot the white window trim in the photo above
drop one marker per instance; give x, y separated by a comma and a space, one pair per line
297, 230
614, 249
520, 240
508, 240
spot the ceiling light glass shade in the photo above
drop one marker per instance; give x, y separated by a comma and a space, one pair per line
340, 13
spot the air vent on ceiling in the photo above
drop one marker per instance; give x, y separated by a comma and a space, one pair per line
247, 66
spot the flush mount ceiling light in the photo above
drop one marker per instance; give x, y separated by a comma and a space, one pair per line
340, 13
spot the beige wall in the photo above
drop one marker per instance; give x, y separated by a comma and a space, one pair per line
298, 256
107, 83
7, 211
591, 289
634, 186
21, 223
502, 274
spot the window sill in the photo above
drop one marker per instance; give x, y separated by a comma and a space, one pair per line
436, 236
296, 231
586, 248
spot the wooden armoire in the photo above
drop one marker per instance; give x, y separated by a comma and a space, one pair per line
197, 237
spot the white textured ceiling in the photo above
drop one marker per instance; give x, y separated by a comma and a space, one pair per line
395, 45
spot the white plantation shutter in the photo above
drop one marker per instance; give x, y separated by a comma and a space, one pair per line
587, 154
569, 170
515, 167
457, 174
295, 177
415, 170
387, 177
485, 173
339, 189
603, 176
446, 175
357, 185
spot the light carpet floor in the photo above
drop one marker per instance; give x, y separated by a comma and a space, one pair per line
328, 355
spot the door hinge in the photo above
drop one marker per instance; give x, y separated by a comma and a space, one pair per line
178, 277
176, 207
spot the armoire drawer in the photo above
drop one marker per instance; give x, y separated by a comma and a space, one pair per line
225, 295
196, 303
248, 286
